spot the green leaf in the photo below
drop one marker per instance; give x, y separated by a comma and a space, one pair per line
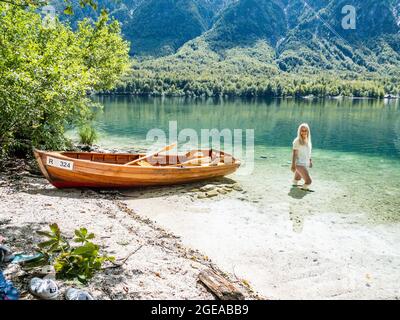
44, 233
55, 229
85, 249
68, 10
82, 278
90, 236
58, 266
55, 247
47, 244
82, 232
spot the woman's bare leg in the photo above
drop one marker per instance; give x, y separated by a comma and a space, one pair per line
297, 178
303, 172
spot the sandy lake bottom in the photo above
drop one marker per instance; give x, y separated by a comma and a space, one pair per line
341, 241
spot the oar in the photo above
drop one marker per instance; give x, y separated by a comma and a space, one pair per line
200, 160
167, 148
196, 161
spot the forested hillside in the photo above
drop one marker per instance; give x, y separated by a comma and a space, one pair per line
261, 47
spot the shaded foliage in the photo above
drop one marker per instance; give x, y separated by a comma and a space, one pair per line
46, 71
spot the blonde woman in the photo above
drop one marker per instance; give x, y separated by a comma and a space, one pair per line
301, 159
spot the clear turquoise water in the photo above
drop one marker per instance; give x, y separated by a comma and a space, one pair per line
356, 144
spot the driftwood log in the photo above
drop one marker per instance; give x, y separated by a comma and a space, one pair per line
221, 287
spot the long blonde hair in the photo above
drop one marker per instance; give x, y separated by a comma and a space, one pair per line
300, 139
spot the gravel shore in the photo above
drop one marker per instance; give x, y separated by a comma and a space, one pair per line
158, 266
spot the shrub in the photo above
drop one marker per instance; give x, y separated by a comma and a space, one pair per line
87, 135
79, 262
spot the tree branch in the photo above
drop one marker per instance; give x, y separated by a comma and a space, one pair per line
117, 265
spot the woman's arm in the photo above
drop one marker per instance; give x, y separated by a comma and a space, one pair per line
294, 157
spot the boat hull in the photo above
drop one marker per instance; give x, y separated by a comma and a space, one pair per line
85, 173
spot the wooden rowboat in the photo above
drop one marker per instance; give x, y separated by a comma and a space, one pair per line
115, 170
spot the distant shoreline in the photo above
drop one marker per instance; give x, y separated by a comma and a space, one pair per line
308, 97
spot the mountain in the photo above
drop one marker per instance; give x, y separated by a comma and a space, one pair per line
154, 27
320, 41
307, 35
284, 47
161, 27
302, 33
248, 21
374, 18
217, 5
250, 40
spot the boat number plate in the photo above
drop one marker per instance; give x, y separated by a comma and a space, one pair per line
63, 164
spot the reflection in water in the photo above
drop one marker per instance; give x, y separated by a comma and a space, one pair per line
367, 126
356, 146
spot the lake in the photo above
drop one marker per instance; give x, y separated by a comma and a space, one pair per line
355, 142
286, 242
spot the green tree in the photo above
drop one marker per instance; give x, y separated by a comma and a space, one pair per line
46, 72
